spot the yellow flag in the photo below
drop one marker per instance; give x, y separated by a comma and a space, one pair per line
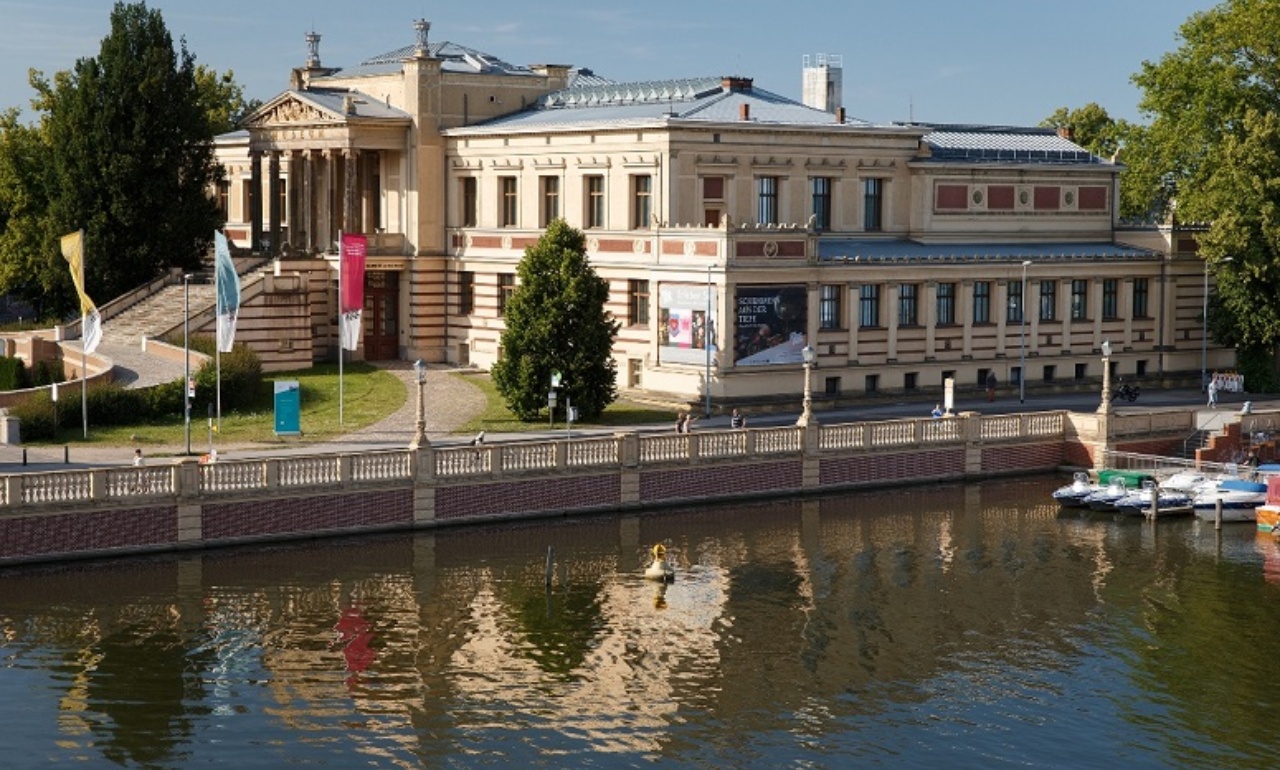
91, 326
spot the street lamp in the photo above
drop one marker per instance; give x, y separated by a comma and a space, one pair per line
420, 425
806, 415
706, 345
1105, 406
186, 355
1022, 314
1204, 326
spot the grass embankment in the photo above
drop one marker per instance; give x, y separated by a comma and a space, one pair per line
496, 418
371, 394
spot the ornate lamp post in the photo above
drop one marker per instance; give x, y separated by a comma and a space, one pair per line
706, 345
1105, 406
1022, 314
186, 355
806, 415
420, 425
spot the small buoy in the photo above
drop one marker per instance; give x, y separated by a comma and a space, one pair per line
659, 569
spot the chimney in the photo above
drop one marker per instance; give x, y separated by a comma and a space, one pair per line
744, 112
735, 83
840, 115
1067, 132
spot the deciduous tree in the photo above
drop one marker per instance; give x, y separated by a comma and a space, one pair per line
556, 321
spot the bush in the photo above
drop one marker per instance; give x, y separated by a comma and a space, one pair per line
13, 373
48, 373
37, 413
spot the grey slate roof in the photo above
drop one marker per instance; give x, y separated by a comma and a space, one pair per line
334, 100
856, 250
1003, 144
690, 99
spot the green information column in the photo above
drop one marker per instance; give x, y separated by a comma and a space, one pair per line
288, 408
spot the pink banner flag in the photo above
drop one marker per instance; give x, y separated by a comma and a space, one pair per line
351, 302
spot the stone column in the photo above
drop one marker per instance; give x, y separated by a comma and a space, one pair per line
273, 204
255, 200
350, 192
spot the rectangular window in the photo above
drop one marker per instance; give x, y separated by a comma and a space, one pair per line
908, 304
869, 306
1082, 371
466, 292
641, 201
595, 201
1079, 299
550, 199
911, 381
284, 200
224, 199
1050, 371
832, 386
506, 288
1048, 300
829, 307
767, 200
469, 201
873, 205
982, 302
821, 202
946, 304
873, 383
638, 302
1110, 298
1013, 304
1141, 296
509, 203
246, 199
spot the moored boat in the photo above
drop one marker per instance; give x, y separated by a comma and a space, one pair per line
1267, 515
1105, 499
1072, 495
1239, 499
1168, 502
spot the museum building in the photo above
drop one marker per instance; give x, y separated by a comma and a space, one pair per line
736, 228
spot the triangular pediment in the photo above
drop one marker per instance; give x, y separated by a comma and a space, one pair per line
291, 109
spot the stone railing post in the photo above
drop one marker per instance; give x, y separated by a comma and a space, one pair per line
562, 455
423, 464
691, 441
13, 491
345, 463
98, 484
628, 449
271, 475
186, 478
749, 441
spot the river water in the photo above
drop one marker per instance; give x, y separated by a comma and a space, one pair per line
965, 626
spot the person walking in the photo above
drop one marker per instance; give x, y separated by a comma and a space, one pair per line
991, 386
138, 459
737, 420
1213, 392
937, 411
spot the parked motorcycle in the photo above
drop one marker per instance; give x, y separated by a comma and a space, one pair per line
1125, 392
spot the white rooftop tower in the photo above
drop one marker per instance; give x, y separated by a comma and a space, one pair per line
824, 82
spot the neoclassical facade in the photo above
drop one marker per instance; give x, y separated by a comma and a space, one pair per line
735, 227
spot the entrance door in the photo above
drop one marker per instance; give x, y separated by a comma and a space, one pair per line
381, 319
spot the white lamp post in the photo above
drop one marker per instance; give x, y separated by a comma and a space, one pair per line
1204, 327
420, 425
1105, 406
806, 415
706, 345
186, 355
1022, 314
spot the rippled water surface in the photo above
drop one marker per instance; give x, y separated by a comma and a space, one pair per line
961, 627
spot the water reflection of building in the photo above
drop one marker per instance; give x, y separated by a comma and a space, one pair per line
792, 617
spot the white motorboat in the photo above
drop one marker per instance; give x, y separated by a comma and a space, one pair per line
1239, 498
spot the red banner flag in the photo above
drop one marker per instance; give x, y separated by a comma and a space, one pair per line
351, 258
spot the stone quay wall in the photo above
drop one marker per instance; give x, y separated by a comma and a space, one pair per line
126, 510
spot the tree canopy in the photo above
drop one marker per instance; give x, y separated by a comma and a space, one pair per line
556, 321
1213, 141
123, 149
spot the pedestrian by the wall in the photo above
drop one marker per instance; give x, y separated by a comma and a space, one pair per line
991, 386
737, 420
138, 459
1213, 391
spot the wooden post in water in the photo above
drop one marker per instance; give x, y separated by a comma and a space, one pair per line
1155, 504
551, 552
1217, 513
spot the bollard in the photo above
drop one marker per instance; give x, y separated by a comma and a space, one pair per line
66, 454
24, 455
1155, 504
1217, 514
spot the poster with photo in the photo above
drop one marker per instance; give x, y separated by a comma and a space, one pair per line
771, 322
682, 323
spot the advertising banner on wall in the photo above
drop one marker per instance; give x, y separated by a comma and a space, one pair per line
770, 325
683, 323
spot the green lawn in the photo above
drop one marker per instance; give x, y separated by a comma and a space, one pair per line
369, 395
496, 418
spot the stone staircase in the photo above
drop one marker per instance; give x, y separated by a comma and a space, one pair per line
157, 314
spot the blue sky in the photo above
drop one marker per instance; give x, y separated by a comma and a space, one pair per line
985, 61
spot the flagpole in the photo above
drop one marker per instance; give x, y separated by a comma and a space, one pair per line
341, 321
217, 338
84, 370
